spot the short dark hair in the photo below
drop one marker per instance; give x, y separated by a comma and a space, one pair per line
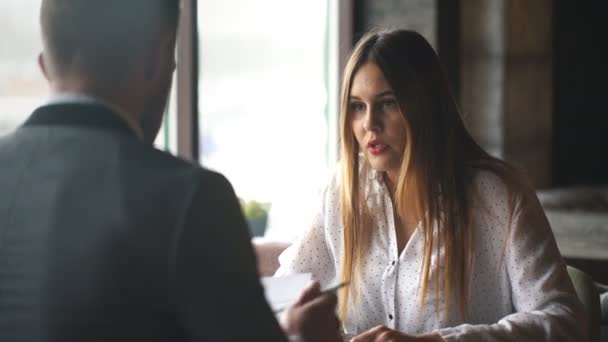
101, 36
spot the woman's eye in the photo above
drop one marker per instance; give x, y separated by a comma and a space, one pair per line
389, 104
356, 106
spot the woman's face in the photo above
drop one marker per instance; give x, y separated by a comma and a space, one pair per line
376, 119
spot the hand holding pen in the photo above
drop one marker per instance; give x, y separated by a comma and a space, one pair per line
313, 315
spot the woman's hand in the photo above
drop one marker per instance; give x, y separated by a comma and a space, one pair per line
384, 334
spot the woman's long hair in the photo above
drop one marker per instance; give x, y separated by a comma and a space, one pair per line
437, 168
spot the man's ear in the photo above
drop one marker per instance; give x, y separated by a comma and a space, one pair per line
151, 66
43, 66
170, 47
156, 63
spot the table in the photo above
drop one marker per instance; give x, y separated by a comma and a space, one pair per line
582, 238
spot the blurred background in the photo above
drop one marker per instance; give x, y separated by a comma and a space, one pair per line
255, 97
256, 91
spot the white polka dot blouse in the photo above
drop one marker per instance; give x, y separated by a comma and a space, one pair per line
521, 294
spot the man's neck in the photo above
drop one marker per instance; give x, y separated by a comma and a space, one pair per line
64, 96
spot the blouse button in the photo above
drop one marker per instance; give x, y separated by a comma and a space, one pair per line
390, 317
393, 263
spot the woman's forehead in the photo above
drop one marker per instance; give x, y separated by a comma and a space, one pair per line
369, 80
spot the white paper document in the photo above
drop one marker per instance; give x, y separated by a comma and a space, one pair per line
282, 291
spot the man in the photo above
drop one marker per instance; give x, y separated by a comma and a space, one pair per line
104, 238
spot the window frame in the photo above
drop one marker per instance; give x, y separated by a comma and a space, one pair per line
187, 81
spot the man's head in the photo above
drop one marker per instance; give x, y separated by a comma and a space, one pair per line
119, 50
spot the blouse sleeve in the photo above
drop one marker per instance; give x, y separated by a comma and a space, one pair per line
311, 253
545, 303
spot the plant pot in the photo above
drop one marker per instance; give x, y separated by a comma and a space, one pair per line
257, 225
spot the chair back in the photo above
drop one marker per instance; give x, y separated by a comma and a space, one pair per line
589, 296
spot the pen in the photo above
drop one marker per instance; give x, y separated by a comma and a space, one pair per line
334, 288
328, 290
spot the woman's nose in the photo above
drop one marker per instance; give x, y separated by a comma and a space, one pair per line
370, 122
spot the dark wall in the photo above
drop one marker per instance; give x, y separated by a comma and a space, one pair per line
437, 20
419, 15
580, 149
580, 77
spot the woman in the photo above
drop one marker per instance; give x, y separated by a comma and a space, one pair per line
439, 240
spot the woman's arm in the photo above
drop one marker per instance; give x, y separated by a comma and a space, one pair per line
311, 253
546, 305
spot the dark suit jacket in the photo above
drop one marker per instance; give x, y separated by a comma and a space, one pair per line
104, 238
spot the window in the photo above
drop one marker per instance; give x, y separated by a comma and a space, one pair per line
22, 85
267, 96
266, 101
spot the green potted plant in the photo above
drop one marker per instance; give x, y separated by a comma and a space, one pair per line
256, 214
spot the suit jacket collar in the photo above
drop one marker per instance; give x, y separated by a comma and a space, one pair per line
79, 115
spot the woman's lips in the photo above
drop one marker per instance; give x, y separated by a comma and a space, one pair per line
375, 147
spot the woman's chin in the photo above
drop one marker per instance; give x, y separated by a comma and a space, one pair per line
379, 163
